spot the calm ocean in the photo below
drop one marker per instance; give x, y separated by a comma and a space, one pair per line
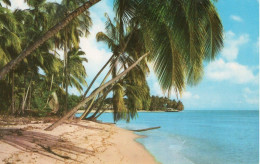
199, 137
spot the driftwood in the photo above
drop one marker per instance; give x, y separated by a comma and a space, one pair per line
141, 130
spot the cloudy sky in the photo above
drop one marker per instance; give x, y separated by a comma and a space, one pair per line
230, 82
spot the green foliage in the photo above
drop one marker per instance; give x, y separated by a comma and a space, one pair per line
164, 103
42, 73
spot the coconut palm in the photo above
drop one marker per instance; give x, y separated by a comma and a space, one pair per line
76, 70
50, 33
181, 35
69, 37
134, 85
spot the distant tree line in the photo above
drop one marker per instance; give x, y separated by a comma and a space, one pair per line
155, 103
164, 103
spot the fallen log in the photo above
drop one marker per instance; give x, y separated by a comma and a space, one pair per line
141, 130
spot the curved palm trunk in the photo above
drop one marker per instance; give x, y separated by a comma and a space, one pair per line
101, 104
92, 95
100, 113
100, 71
97, 111
88, 110
50, 33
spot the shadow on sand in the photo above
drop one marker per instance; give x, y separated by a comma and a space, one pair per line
42, 143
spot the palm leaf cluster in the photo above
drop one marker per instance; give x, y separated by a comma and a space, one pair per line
181, 36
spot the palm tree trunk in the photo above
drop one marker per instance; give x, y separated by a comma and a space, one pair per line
101, 103
50, 33
100, 71
29, 99
13, 95
100, 113
52, 76
90, 107
93, 94
88, 110
25, 97
66, 76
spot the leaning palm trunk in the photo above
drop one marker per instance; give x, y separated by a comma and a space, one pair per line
93, 94
100, 113
88, 110
101, 104
100, 71
50, 33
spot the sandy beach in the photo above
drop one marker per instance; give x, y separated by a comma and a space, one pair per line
83, 142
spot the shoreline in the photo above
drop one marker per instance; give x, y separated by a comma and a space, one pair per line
111, 111
84, 142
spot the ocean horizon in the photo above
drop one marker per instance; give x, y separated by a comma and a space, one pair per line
198, 136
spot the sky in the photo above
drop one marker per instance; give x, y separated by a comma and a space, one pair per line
231, 82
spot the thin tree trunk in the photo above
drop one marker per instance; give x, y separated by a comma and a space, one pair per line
25, 98
92, 82
50, 33
100, 113
13, 95
86, 113
88, 110
82, 103
101, 104
66, 76
52, 77
29, 99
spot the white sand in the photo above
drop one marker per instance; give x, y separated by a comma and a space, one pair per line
85, 142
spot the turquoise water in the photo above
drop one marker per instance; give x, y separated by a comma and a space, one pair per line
199, 137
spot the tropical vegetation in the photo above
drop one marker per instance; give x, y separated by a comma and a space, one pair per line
176, 37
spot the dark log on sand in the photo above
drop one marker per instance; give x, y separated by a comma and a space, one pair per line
141, 130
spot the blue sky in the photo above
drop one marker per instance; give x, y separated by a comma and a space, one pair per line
230, 82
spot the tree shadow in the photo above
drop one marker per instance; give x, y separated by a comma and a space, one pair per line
42, 143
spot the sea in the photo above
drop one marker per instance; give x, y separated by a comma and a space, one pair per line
198, 137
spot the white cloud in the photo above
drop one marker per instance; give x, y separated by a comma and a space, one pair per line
232, 44
230, 71
236, 18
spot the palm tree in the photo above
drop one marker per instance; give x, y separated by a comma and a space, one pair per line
10, 46
179, 34
134, 85
50, 33
76, 70
94, 93
69, 37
